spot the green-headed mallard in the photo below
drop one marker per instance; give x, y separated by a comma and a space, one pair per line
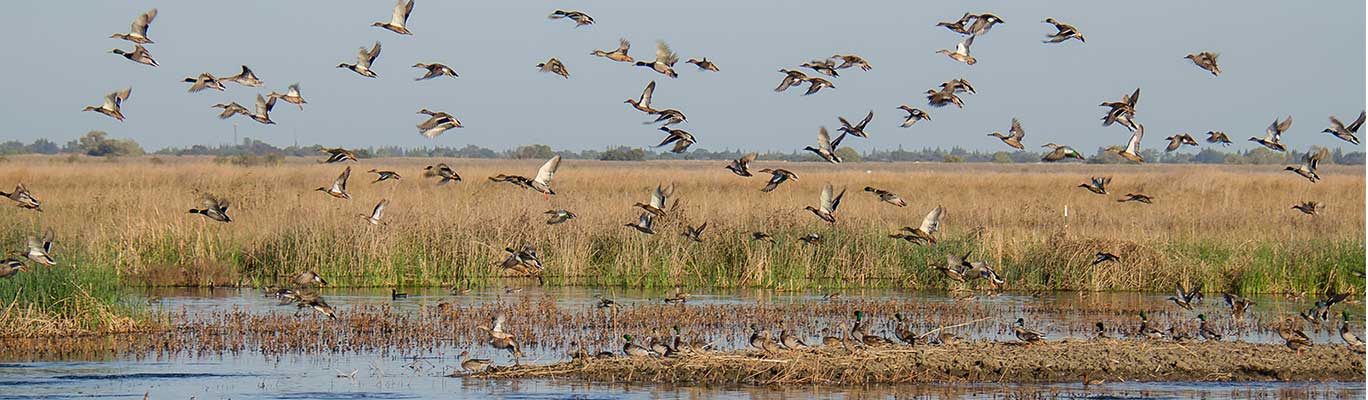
1309, 207
402, 9
442, 171
540, 183
664, 61
245, 77
215, 208
777, 177
901, 331
580, 18
1065, 32
138, 33
1186, 298
1014, 139
339, 186
1273, 135
644, 223
1294, 337
364, 58
1104, 257
816, 84
203, 81
792, 78
1343, 132
1205, 60
474, 365
695, 234
703, 64
336, 155
682, 139
1206, 331
828, 205
1218, 137
559, 216
791, 342
138, 55
619, 54
851, 60
644, 103
927, 230
384, 175
856, 129
23, 198
1179, 140
435, 70
377, 213
291, 96
11, 266
1354, 342
1100, 333
1027, 336
1132, 150
1238, 305
1147, 331
1310, 162
961, 52
886, 196
826, 148
741, 166
824, 67
913, 115
1097, 184
112, 103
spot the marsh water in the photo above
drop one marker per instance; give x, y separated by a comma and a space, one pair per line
424, 374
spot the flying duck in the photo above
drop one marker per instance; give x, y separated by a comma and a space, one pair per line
761, 236
245, 78
857, 129
619, 54
336, 155
851, 60
1205, 60
1096, 184
1065, 32
138, 33
703, 64
540, 183
958, 26
961, 52
500, 339
23, 198
826, 148
437, 123
1273, 135
1215, 137
886, 196
1060, 152
230, 109
112, 103
442, 171
40, 250
983, 23
828, 204
939, 98
558, 216
792, 78
1309, 164
816, 84
339, 186
1132, 150
384, 175
644, 223
958, 85
1343, 132
402, 9
664, 61
660, 198
1014, 139
1137, 197
1186, 298
291, 96
1104, 257
1238, 305
11, 266
580, 18
669, 116
138, 55
913, 115
824, 67
435, 70
681, 139
741, 166
214, 208
695, 234
1177, 141
1309, 207
263, 110
377, 213
1123, 111
644, 103
554, 66
364, 59
927, 230
812, 239
777, 177
203, 81
525, 261
955, 267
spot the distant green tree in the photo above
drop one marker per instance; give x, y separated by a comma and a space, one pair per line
848, 154
534, 151
952, 158
623, 153
97, 143
1002, 157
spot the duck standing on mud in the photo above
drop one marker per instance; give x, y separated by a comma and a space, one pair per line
1026, 335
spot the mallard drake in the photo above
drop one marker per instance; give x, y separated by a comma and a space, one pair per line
395, 294
1097, 184
1294, 337
138, 33
669, 116
525, 261
958, 26
1177, 141
376, 213
811, 239
541, 182
981, 269
435, 70
402, 9
1238, 305
1027, 336
1060, 152
860, 332
245, 77
1205, 60
112, 103
827, 209
857, 129
1273, 135
39, 249
619, 54
1309, 164
339, 186
703, 64
437, 123
11, 266
939, 98
926, 231
474, 365
913, 115
308, 278
442, 171
1104, 257
580, 18
23, 198
1122, 111
203, 81
138, 55
682, 140
263, 110
1137, 197
1215, 137
1206, 331
1323, 305
660, 198
741, 166
887, 196
955, 267
792, 78
384, 175
777, 177
364, 58
816, 84
851, 60
1065, 32
961, 52
1354, 342
1100, 333
824, 67
1186, 298
791, 342
901, 331
826, 148
1147, 331
761, 236
1132, 150
644, 223
695, 234
500, 339
319, 306
644, 103
1345, 133
214, 208
664, 61
983, 23
291, 96
336, 155
1013, 140
559, 216
1309, 207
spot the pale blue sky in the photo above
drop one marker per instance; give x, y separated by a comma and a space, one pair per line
1278, 58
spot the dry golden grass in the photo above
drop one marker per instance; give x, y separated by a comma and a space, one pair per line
1227, 226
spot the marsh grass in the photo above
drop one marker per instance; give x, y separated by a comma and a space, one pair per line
1227, 227
52, 300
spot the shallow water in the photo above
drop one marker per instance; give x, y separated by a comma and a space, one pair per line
402, 375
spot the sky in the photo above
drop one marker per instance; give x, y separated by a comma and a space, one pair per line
1278, 58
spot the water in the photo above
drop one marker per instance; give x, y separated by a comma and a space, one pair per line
408, 374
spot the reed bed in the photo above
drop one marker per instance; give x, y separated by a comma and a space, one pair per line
1227, 227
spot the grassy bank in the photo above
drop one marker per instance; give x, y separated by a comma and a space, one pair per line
1227, 227
62, 300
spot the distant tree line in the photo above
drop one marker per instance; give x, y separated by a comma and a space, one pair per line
253, 152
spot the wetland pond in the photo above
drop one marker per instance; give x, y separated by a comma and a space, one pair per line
239, 344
